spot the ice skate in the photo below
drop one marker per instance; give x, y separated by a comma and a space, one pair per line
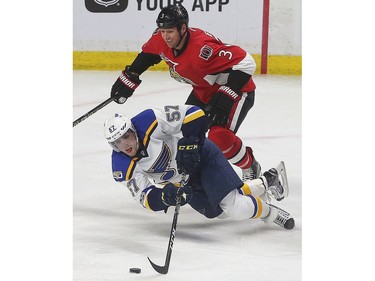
276, 183
253, 172
279, 217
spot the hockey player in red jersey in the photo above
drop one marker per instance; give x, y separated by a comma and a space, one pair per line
220, 74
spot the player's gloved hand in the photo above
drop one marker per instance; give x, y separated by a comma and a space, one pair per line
125, 85
187, 156
220, 105
170, 192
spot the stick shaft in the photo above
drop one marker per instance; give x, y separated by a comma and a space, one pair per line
164, 269
92, 111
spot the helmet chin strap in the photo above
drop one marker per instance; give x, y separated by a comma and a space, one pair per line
137, 140
181, 37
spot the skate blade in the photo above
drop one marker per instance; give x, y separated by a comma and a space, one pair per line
281, 170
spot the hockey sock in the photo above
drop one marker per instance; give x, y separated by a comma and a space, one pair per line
240, 207
253, 187
231, 146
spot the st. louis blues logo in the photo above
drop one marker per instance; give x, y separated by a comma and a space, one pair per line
162, 164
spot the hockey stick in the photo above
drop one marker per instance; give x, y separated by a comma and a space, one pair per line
92, 111
164, 269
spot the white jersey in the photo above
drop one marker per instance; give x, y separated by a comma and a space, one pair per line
158, 131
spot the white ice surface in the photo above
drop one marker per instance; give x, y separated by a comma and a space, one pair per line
112, 233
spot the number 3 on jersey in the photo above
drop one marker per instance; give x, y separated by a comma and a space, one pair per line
223, 53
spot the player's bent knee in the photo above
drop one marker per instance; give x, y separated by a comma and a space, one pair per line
200, 203
208, 212
222, 137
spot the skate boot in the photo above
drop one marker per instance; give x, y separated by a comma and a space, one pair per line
275, 182
279, 217
253, 172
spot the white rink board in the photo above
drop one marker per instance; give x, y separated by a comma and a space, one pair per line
233, 21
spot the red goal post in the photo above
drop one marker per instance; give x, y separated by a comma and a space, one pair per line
265, 27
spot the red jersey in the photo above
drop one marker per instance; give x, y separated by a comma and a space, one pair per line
204, 63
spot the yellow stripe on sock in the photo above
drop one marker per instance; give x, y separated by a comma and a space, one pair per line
246, 189
260, 207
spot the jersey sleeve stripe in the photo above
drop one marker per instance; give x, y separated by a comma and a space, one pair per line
193, 116
145, 202
149, 131
130, 170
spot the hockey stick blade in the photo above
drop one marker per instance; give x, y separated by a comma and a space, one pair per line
164, 269
159, 269
281, 170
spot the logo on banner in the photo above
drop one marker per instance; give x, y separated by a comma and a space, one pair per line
106, 6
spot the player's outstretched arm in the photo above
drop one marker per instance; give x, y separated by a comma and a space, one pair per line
158, 199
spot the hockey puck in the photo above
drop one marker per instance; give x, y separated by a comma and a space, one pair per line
135, 270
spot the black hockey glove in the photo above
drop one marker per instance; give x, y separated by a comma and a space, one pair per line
125, 85
170, 192
220, 105
187, 156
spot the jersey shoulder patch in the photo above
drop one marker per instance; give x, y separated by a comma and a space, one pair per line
122, 166
206, 52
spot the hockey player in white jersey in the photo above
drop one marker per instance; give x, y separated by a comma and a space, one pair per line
153, 149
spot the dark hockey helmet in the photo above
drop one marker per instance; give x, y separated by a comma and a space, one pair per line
172, 16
